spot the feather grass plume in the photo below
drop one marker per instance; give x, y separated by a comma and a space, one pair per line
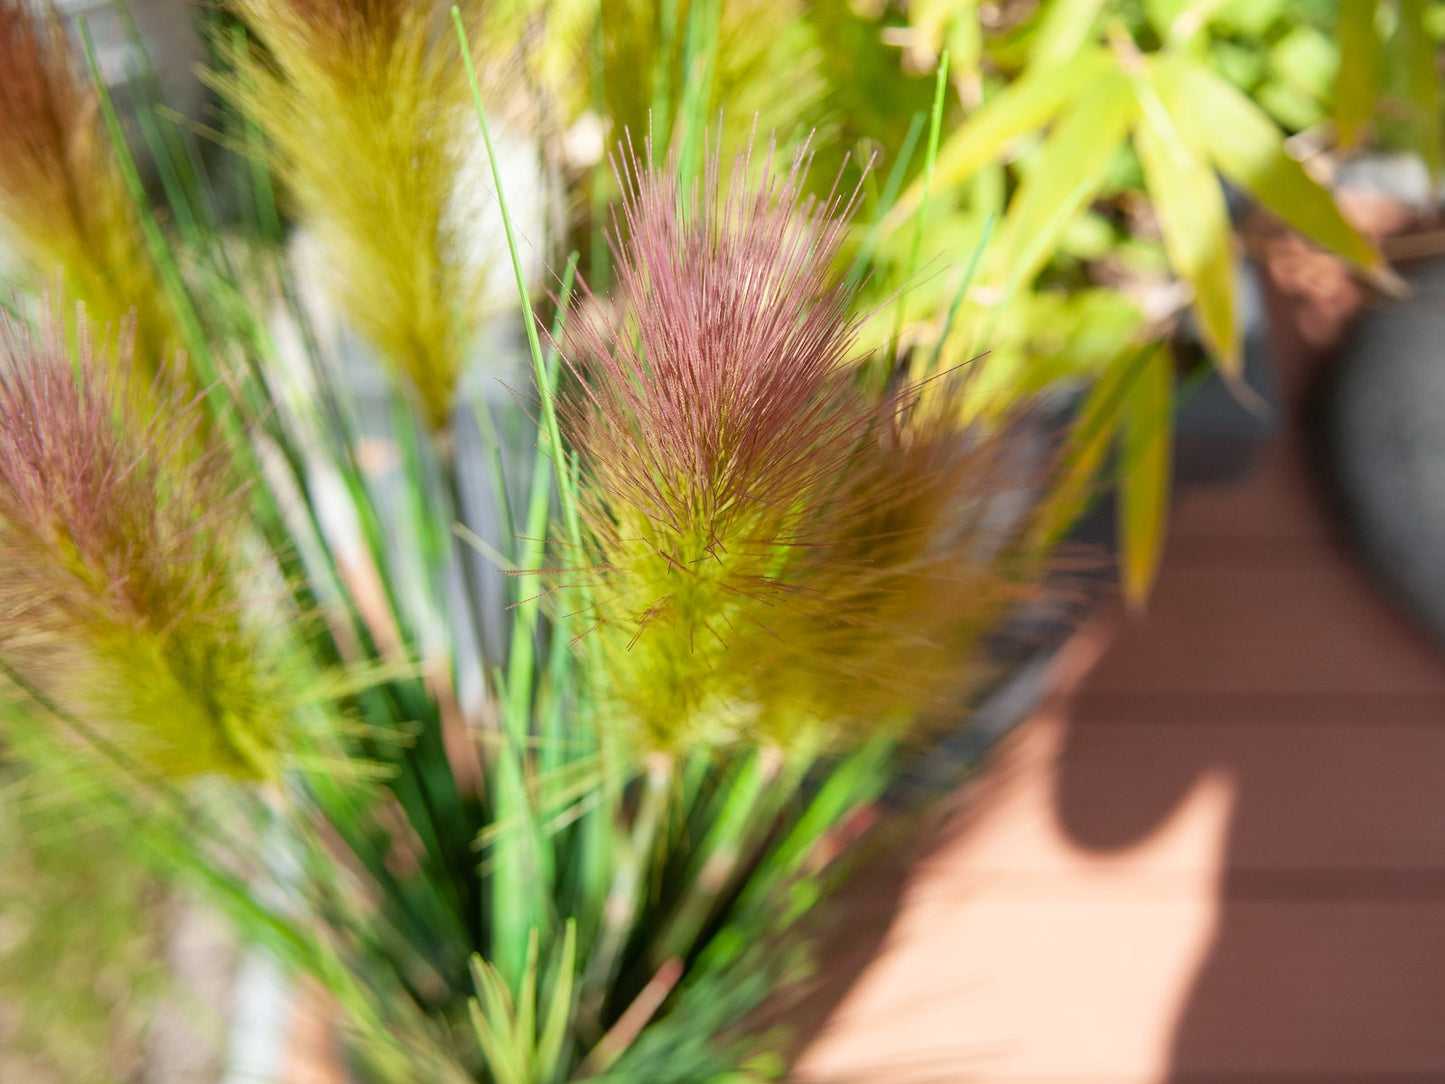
63, 200
119, 594
360, 103
776, 554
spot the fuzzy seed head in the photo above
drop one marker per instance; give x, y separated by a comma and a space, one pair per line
119, 596
64, 209
361, 103
772, 551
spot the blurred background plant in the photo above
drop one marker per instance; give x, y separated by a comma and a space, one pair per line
536, 804
1115, 146
81, 951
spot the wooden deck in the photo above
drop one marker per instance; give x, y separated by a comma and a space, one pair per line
1216, 857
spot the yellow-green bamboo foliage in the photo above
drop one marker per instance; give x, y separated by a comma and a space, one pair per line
65, 213
120, 602
363, 108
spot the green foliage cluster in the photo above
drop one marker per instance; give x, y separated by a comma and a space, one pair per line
1102, 139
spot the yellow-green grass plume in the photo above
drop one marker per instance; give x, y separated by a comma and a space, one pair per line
121, 598
363, 108
773, 554
64, 211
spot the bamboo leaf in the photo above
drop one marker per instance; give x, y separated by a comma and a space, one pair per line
1022, 109
1144, 474
1422, 82
1093, 434
1070, 169
1194, 221
1249, 149
1357, 86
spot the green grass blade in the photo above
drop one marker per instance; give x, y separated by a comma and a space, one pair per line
960, 294
534, 344
551, 1042
859, 267
930, 160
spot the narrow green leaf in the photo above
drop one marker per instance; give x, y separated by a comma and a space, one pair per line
265, 200
1070, 169
1189, 205
497, 1052
559, 1010
529, 319
526, 1025
162, 256
1098, 421
627, 880
1023, 109
930, 161
851, 784
492, 1015
858, 270
1357, 86
599, 266
951, 316
1249, 149
661, 117
164, 153
699, 64
1422, 81
519, 900
1144, 474
717, 856
539, 495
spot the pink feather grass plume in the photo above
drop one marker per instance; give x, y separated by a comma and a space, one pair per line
773, 554
120, 605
